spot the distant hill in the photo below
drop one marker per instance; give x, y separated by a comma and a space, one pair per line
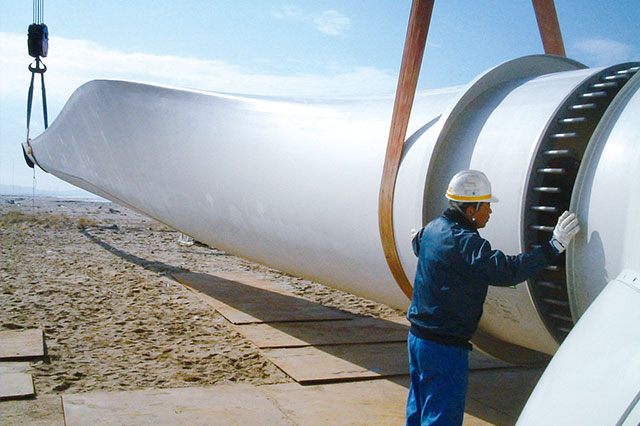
26, 191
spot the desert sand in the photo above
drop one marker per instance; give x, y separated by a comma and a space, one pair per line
95, 277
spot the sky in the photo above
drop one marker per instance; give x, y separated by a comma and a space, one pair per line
268, 47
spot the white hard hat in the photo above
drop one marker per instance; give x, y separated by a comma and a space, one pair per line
470, 186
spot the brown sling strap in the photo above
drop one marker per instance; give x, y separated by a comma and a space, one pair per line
415, 42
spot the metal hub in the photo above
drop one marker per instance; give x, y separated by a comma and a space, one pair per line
551, 183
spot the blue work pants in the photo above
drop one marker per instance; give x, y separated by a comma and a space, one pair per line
439, 377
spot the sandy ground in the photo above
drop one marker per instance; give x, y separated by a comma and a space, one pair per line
94, 276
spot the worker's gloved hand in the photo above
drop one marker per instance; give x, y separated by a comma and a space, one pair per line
416, 234
568, 226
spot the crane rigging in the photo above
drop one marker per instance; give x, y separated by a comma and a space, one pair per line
38, 44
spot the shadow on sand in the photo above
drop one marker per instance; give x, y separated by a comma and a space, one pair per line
495, 395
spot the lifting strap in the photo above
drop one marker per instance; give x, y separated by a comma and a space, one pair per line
409, 71
415, 42
549, 27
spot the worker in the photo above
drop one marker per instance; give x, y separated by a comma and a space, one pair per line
455, 267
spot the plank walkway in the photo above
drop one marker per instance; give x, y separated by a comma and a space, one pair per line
16, 346
495, 397
308, 341
331, 349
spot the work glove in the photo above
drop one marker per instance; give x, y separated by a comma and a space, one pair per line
568, 226
416, 234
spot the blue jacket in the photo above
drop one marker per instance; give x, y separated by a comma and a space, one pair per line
455, 267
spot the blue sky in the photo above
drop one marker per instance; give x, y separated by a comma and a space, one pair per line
290, 48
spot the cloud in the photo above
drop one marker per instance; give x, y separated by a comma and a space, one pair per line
71, 63
332, 22
601, 51
329, 22
288, 12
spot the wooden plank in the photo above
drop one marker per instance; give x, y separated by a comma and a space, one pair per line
358, 330
21, 344
480, 361
238, 404
14, 367
500, 395
333, 363
370, 402
16, 385
250, 279
46, 410
245, 303
317, 364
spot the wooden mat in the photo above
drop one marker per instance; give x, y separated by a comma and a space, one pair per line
21, 344
238, 404
357, 330
303, 338
16, 385
246, 301
318, 364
